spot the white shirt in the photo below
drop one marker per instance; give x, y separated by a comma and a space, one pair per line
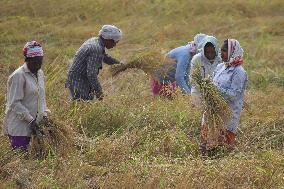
207, 69
232, 81
25, 101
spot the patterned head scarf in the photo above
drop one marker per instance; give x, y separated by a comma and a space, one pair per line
196, 44
235, 53
32, 49
214, 41
110, 32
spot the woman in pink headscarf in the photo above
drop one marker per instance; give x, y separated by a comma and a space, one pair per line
26, 104
231, 80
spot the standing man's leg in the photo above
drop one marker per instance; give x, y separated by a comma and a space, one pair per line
76, 94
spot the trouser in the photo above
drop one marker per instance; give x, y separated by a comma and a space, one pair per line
166, 90
77, 95
20, 142
225, 138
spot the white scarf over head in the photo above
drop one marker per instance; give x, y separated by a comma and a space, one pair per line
111, 32
197, 42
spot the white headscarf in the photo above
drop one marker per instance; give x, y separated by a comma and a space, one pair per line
214, 41
197, 42
198, 39
110, 32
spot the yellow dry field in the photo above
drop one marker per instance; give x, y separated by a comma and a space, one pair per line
130, 139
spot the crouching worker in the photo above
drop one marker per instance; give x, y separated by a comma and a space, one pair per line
182, 56
174, 72
82, 80
26, 104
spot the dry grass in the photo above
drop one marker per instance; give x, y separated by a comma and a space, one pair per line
131, 140
52, 139
148, 61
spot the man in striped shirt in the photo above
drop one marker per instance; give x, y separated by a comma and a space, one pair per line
82, 78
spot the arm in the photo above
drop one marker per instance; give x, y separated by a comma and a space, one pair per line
46, 111
109, 60
181, 70
237, 86
15, 96
181, 56
193, 66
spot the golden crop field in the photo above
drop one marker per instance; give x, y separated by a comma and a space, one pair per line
130, 139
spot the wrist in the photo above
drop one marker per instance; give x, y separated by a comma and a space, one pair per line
31, 121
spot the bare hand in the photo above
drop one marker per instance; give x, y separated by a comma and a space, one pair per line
36, 131
44, 120
33, 126
100, 95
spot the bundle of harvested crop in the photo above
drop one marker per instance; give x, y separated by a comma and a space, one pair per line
53, 138
216, 109
146, 61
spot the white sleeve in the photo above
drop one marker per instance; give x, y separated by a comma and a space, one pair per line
46, 111
193, 65
15, 96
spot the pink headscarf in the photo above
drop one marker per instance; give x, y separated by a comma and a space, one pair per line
235, 53
32, 49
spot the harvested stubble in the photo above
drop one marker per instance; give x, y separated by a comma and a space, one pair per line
7, 155
56, 139
216, 109
146, 61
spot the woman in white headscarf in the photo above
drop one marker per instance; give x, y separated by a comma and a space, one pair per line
207, 59
82, 79
174, 72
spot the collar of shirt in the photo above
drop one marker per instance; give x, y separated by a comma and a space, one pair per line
101, 42
206, 61
229, 68
26, 69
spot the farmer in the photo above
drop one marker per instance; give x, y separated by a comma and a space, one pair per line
175, 70
83, 74
207, 60
231, 79
26, 104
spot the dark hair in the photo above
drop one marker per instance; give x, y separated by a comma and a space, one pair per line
209, 44
226, 44
29, 59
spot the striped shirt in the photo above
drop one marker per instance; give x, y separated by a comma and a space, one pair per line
83, 74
